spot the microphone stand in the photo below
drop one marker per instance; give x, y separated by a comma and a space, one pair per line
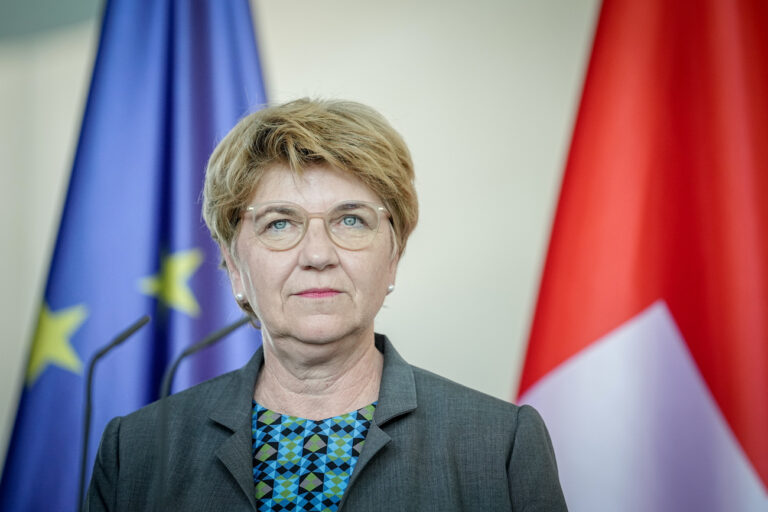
124, 335
165, 390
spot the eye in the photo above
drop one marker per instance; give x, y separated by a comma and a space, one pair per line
351, 221
353, 217
278, 225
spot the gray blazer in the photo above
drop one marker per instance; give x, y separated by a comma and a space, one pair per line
433, 445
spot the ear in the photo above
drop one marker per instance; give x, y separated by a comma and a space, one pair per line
233, 270
395, 258
392, 270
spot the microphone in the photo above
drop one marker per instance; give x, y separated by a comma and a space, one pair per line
124, 335
165, 390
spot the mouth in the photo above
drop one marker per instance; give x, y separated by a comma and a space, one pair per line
318, 293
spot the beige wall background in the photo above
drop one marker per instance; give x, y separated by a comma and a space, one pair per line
484, 92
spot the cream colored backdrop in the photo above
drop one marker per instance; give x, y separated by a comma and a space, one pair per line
484, 92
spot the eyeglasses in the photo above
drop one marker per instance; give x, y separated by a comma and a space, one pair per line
281, 225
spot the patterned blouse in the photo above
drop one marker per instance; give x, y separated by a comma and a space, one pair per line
305, 465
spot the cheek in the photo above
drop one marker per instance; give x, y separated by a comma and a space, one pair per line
376, 272
265, 273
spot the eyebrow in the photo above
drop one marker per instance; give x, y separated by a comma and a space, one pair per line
349, 205
278, 208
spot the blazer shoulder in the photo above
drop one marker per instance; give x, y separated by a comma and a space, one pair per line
442, 397
191, 402
436, 390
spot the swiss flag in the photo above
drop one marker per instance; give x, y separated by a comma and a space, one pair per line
648, 353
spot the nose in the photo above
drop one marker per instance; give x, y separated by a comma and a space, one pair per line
317, 250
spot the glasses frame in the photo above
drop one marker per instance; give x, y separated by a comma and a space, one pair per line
379, 209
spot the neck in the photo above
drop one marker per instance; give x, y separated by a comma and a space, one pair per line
318, 381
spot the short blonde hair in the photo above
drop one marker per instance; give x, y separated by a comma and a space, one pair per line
345, 135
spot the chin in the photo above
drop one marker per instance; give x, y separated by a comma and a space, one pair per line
324, 331
319, 336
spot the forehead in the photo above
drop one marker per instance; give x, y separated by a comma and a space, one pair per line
317, 188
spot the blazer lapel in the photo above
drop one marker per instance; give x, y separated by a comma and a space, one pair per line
234, 413
235, 454
397, 396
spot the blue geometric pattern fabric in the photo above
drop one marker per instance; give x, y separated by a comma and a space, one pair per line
305, 465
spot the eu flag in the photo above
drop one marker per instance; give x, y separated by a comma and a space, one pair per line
170, 79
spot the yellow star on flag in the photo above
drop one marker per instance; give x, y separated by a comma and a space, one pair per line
171, 284
52, 341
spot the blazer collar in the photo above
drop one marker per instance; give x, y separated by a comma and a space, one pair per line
235, 403
397, 391
233, 411
397, 396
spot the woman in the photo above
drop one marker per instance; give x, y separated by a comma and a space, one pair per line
312, 203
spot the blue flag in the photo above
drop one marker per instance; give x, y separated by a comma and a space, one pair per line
171, 78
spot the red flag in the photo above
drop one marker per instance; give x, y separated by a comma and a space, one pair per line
664, 212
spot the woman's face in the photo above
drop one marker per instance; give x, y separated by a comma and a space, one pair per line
316, 292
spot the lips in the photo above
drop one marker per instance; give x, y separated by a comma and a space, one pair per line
318, 293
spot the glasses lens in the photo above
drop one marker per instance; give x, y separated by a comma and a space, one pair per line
279, 225
353, 225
